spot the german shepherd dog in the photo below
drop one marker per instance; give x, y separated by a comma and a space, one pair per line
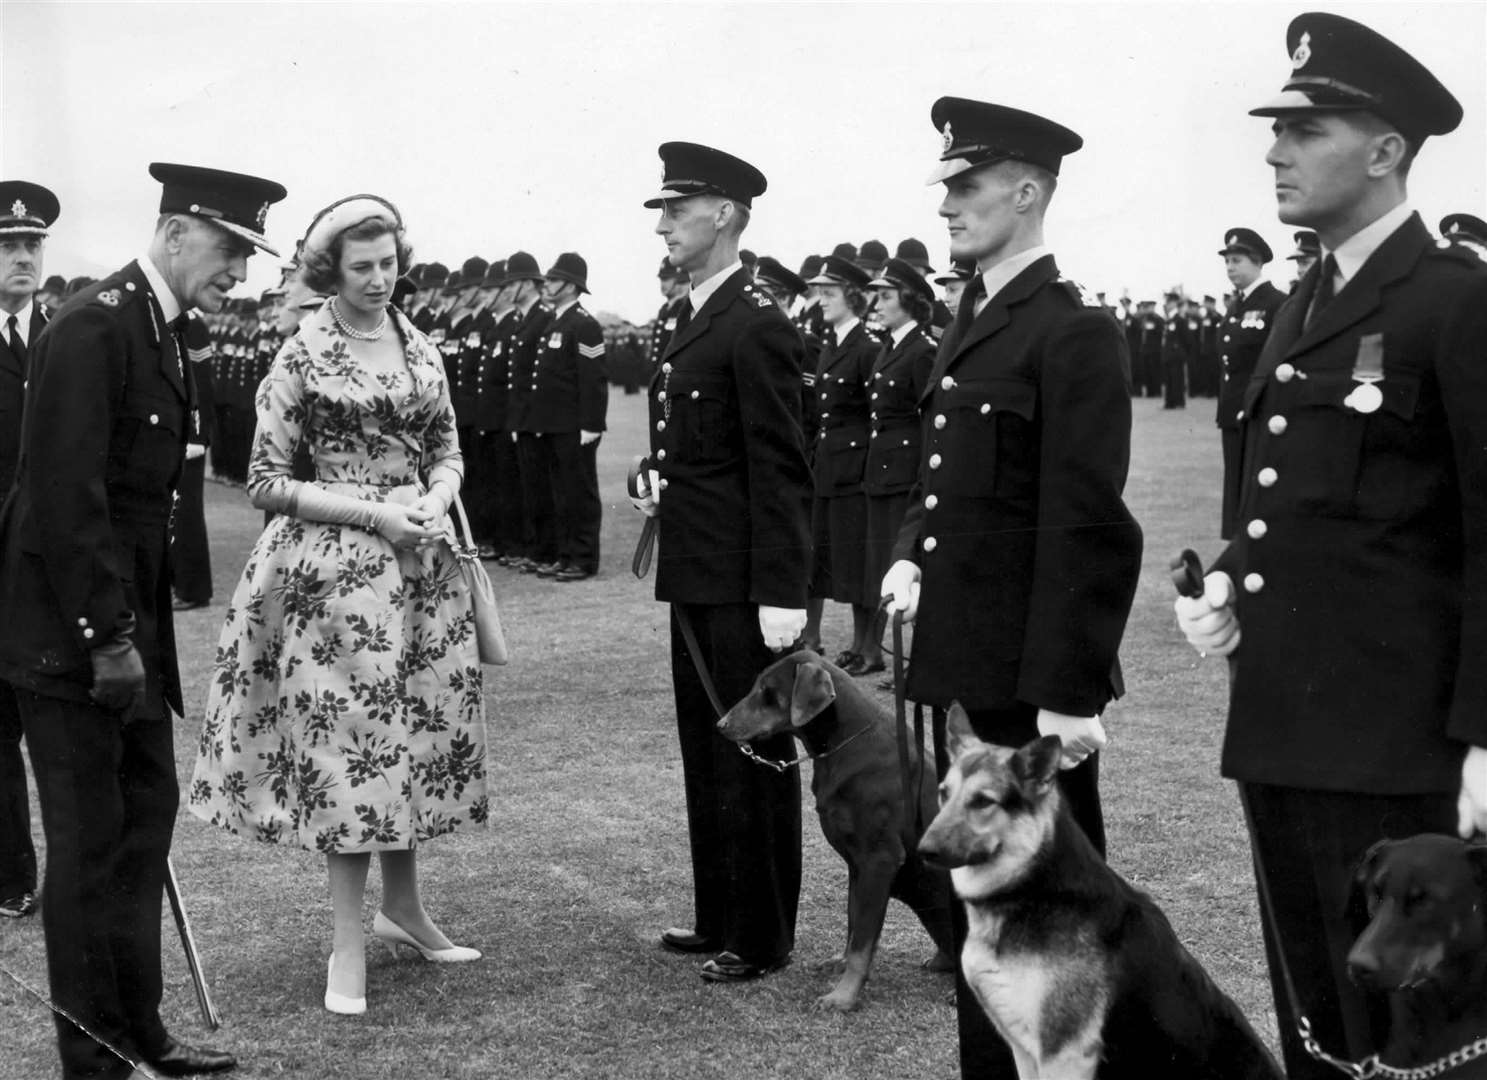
1080, 973
859, 797
1425, 945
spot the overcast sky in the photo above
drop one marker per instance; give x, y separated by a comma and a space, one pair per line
502, 126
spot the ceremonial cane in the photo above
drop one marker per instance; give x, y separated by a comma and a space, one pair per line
188, 942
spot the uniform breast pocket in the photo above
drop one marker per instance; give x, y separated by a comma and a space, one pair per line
147, 442
1341, 454
983, 439
708, 430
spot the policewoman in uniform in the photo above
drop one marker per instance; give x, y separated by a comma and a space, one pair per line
87, 640
1017, 553
27, 212
1241, 338
786, 288
731, 493
1308, 251
1348, 599
905, 306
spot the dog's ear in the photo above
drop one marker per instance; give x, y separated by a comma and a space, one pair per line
1356, 910
1036, 764
958, 733
813, 691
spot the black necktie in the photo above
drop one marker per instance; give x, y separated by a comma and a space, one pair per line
17, 343
1326, 289
683, 317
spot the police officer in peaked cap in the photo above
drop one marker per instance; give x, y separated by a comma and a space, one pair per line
1466, 229
1346, 601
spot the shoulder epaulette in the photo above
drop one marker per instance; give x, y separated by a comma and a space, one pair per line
1079, 293
760, 300
1458, 253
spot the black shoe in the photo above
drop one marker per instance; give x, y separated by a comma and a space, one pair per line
550, 569
527, 566
176, 1058
572, 573
860, 666
729, 967
180, 604
487, 551
844, 659
687, 941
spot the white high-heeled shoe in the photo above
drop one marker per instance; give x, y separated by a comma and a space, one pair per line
392, 935
340, 1003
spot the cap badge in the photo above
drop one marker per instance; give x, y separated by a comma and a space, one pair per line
18, 209
262, 214
946, 138
1454, 229
1302, 53
1233, 239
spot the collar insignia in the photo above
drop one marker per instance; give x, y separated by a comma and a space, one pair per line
1302, 53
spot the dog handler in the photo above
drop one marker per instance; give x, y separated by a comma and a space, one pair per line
730, 487
1016, 532
1358, 698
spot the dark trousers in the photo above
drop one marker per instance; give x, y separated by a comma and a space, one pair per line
534, 453
743, 819
1232, 442
108, 798
1174, 382
1307, 846
190, 553
983, 1054
17, 853
494, 500
576, 506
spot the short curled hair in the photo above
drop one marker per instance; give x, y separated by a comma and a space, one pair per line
321, 268
857, 299
919, 307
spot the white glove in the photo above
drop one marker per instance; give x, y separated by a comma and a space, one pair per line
586, 437
1081, 735
649, 499
1471, 804
1208, 621
780, 626
195, 450
901, 586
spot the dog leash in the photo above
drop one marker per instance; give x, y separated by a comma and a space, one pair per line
911, 777
640, 565
66, 1015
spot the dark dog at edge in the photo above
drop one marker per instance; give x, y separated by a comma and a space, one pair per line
1426, 946
858, 786
1079, 971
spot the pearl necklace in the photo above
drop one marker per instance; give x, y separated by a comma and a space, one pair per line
352, 332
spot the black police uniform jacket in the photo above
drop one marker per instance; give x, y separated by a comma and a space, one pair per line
726, 439
84, 534
1029, 557
842, 407
493, 374
13, 374
1241, 339
570, 384
663, 327
1360, 558
521, 378
900, 377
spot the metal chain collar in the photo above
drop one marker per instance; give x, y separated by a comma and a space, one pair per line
781, 766
1371, 1066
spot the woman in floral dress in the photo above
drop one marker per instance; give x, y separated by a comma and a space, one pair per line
345, 715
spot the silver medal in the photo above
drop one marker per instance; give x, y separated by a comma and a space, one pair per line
1365, 398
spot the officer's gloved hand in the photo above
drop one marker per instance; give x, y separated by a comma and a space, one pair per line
901, 589
118, 677
587, 437
1471, 804
1081, 735
780, 626
195, 450
1208, 621
649, 499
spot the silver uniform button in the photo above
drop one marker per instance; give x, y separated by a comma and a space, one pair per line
696, 394
665, 483
930, 543
660, 425
1226, 337
985, 407
947, 383
940, 421
1285, 372
660, 394
660, 455
875, 395
1253, 583
1267, 477
1277, 425
666, 368
154, 418
934, 461
1256, 529
88, 633
83, 621
1240, 414
931, 501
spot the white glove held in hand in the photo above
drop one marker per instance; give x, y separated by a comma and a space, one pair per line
649, 499
1081, 735
1208, 621
1471, 804
195, 450
780, 626
901, 587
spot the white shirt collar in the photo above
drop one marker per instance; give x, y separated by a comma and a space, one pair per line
1353, 252
170, 307
560, 309
1252, 286
845, 328
22, 321
903, 331
997, 277
702, 292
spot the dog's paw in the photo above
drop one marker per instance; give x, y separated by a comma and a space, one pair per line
940, 961
838, 1000
835, 966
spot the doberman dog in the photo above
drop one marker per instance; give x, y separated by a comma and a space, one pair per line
1080, 972
858, 785
1425, 945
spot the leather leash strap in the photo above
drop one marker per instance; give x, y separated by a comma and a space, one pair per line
911, 777
640, 565
689, 635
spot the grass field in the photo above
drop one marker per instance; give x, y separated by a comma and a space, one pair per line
586, 858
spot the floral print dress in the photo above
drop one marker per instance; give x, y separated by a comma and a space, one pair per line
345, 713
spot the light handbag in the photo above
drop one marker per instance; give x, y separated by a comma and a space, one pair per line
489, 636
